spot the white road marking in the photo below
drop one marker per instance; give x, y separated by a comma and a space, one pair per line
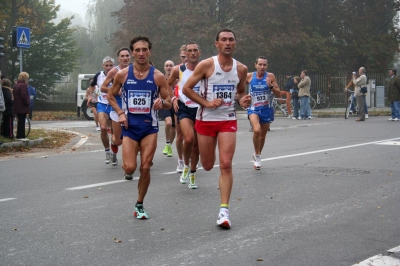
7, 199
379, 260
331, 149
390, 143
394, 250
100, 184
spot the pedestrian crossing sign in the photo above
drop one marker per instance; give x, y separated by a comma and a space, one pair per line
23, 37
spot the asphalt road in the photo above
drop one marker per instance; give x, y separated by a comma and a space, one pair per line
327, 194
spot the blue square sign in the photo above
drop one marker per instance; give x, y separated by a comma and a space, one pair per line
23, 37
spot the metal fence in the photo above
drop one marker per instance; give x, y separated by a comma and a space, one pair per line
333, 85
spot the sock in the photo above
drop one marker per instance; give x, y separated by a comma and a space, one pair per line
107, 150
186, 166
223, 206
139, 203
192, 171
168, 143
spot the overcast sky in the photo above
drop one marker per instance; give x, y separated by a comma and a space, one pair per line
73, 6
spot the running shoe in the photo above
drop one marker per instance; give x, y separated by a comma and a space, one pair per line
180, 166
396, 119
139, 212
391, 119
366, 116
192, 181
289, 116
98, 128
257, 161
114, 147
185, 175
223, 219
169, 151
165, 151
108, 157
128, 177
114, 159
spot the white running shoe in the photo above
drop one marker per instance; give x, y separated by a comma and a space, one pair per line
185, 175
257, 161
294, 118
98, 128
192, 181
290, 116
108, 157
180, 166
114, 159
223, 219
366, 116
391, 119
396, 119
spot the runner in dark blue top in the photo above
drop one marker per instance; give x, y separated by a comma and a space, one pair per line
144, 92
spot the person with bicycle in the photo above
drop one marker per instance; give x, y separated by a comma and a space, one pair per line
304, 95
359, 83
261, 84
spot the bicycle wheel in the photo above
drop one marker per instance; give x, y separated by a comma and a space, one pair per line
15, 124
347, 111
313, 103
324, 101
27, 127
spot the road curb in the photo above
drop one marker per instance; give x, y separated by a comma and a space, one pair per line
22, 143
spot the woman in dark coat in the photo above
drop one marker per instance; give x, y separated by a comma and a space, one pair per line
8, 112
21, 103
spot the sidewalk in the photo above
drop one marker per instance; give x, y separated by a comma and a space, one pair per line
336, 112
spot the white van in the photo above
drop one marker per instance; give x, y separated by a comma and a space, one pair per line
81, 102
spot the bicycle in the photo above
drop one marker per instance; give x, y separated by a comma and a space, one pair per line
275, 105
27, 126
351, 105
322, 100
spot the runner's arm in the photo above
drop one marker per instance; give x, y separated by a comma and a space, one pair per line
109, 78
164, 92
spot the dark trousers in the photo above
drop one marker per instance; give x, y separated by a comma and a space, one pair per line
7, 127
21, 126
30, 112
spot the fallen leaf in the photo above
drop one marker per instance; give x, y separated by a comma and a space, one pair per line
15, 229
85, 197
379, 207
162, 229
73, 148
114, 238
260, 259
118, 241
239, 199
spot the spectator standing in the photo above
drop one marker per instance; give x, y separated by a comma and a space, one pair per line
394, 95
286, 92
2, 106
21, 103
295, 97
32, 97
304, 94
360, 82
8, 112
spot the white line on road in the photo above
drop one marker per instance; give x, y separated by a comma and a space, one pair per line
100, 184
325, 150
8, 199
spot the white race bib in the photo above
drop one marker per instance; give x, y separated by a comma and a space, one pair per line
139, 102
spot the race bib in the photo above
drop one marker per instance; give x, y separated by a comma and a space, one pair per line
139, 102
260, 98
225, 92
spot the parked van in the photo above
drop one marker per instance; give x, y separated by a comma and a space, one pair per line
81, 102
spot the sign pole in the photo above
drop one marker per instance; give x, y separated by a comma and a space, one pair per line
20, 60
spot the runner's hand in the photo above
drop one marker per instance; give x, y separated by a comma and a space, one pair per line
245, 101
175, 104
214, 103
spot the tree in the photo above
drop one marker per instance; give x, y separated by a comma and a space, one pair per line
52, 53
324, 37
